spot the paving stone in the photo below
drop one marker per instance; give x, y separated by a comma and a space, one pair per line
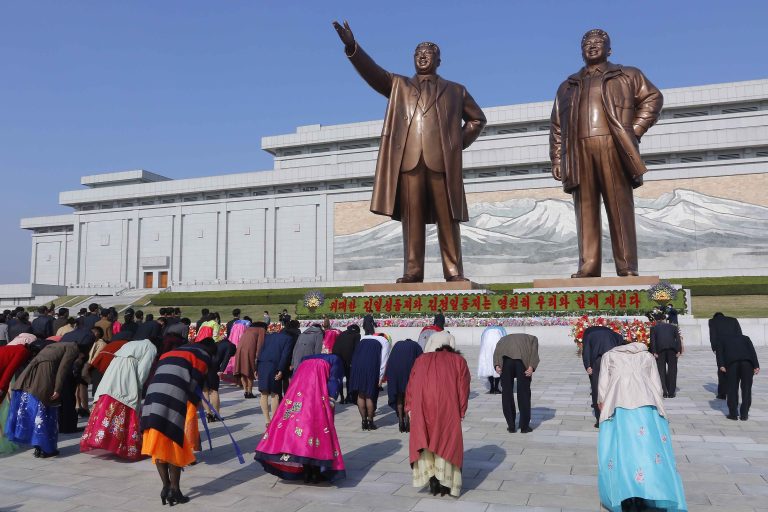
724, 464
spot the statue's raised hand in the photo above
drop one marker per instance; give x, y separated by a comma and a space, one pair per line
345, 34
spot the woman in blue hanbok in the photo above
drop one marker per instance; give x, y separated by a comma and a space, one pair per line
636, 463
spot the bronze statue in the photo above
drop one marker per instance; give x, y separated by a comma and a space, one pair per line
599, 116
418, 173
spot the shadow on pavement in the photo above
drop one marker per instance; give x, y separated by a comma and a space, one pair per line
484, 458
541, 414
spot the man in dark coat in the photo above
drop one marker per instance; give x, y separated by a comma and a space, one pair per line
149, 329
274, 357
722, 329
515, 358
61, 319
597, 341
42, 326
737, 359
419, 176
293, 329
599, 115
344, 348
666, 346
309, 343
93, 315
19, 325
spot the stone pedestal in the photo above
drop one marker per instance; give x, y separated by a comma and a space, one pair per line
596, 282
439, 286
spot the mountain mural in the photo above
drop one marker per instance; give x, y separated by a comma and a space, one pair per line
679, 231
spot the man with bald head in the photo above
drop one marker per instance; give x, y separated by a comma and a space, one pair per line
599, 116
419, 178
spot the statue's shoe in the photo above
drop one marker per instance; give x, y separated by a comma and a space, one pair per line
409, 279
627, 273
456, 278
581, 274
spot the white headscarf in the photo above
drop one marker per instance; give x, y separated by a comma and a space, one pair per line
439, 339
24, 338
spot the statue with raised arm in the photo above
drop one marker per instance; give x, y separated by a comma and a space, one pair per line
600, 114
419, 177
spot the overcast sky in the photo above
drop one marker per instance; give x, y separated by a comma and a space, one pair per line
188, 88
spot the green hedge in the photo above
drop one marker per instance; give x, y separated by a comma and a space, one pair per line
240, 297
715, 286
707, 286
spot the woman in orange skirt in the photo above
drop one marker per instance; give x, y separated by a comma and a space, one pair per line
166, 438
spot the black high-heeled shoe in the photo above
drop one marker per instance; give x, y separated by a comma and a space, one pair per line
401, 424
174, 496
444, 490
371, 425
365, 424
407, 423
164, 494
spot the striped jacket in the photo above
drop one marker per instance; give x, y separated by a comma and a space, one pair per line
179, 374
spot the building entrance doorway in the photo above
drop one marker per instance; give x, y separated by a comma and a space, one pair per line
149, 280
162, 277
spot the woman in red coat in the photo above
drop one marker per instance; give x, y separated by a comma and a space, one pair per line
436, 401
12, 357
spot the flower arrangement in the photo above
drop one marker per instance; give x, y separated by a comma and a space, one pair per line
662, 292
192, 332
460, 321
631, 330
313, 299
275, 327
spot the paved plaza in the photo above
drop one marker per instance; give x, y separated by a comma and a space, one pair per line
724, 464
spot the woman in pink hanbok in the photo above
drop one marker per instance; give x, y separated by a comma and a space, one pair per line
301, 439
329, 340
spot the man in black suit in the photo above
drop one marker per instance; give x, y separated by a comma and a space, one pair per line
149, 329
42, 326
666, 347
737, 359
93, 316
722, 329
597, 340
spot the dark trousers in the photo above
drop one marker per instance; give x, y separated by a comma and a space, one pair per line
514, 369
722, 383
739, 375
225, 349
667, 363
593, 379
602, 175
420, 190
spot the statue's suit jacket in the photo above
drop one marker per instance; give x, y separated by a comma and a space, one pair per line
453, 104
632, 105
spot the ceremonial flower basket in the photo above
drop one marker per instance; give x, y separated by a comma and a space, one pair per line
662, 292
313, 299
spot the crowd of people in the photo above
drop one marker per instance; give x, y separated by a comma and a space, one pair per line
150, 379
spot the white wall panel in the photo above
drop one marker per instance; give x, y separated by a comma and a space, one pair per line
199, 246
296, 241
245, 247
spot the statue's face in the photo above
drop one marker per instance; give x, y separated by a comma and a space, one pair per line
426, 60
595, 50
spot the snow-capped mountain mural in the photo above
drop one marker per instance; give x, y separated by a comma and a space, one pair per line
679, 232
